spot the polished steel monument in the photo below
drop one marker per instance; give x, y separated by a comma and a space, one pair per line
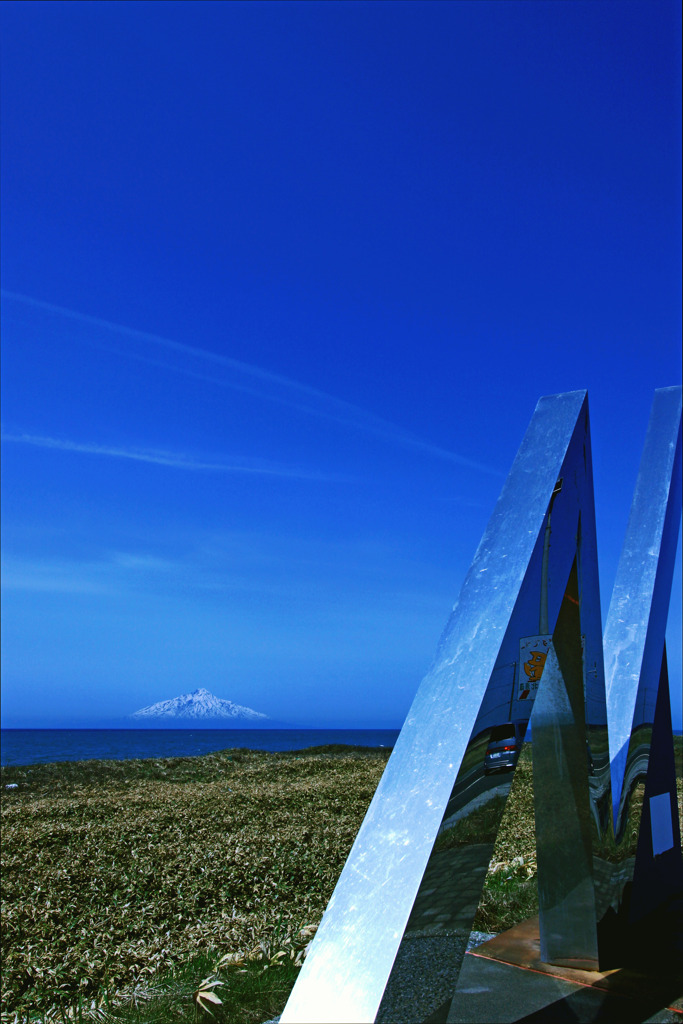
524, 644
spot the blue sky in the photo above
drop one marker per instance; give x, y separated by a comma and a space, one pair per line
282, 284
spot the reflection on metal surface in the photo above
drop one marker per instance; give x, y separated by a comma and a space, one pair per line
394, 935
568, 924
647, 872
533, 651
661, 823
636, 621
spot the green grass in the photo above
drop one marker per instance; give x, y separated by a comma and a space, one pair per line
117, 874
251, 994
480, 826
126, 883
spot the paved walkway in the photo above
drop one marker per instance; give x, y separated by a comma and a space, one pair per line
505, 981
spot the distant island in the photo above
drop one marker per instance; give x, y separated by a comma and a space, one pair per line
199, 708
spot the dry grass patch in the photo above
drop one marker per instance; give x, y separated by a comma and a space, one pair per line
124, 883
116, 871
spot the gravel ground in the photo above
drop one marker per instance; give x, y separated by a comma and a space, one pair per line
427, 970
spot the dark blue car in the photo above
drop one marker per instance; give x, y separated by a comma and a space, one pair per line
504, 747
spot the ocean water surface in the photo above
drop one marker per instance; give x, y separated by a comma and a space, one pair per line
39, 746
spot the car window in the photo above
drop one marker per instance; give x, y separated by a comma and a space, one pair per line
502, 732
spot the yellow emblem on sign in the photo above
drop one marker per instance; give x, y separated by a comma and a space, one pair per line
534, 666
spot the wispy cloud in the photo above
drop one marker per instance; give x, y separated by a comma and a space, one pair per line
287, 569
265, 384
174, 460
52, 577
113, 573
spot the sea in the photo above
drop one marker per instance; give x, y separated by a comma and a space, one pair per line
41, 746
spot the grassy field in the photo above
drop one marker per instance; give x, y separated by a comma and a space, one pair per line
121, 876
128, 883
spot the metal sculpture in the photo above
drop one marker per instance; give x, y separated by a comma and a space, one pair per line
525, 635
648, 866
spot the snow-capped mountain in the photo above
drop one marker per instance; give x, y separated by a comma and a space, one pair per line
200, 705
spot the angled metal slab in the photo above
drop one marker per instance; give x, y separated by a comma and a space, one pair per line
471, 689
525, 634
636, 620
645, 859
658, 869
571, 772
